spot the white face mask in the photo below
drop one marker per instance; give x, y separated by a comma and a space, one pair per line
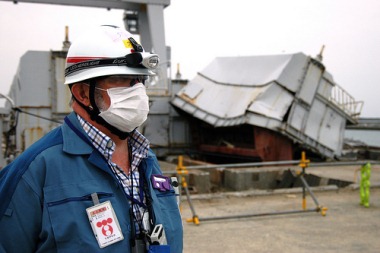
129, 107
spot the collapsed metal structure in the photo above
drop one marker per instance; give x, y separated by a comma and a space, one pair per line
277, 102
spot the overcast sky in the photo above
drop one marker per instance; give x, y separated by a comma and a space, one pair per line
200, 30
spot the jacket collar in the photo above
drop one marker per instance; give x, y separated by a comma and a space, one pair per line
71, 143
76, 142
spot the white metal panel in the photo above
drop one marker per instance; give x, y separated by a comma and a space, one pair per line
262, 121
63, 94
273, 102
190, 108
31, 135
32, 87
156, 129
180, 134
293, 72
221, 100
314, 120
246, 70
325, 88
31, 128
310, 83
332, 131
211, 119
200, 114
298, 117
159, 105
192, 90
178, 102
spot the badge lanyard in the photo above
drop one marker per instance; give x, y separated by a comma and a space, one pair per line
83, 137
143, 190
141, 182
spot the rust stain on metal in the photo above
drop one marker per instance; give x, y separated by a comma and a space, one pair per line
187, 99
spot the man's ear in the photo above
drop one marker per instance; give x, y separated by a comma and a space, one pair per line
81, 93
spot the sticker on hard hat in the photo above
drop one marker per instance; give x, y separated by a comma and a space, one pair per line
127, 44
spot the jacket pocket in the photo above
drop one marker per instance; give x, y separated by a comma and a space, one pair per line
167, 200
66, 210
101, 195
165, 194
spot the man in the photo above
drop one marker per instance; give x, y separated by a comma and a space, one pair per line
93, 184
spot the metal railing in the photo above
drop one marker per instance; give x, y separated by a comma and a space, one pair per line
346, 102
274, 163
303, 163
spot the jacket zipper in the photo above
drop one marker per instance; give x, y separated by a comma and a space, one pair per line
83, 198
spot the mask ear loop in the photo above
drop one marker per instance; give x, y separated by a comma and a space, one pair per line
95, 109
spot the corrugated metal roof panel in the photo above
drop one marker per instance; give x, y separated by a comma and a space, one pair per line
273, 102
223, 101
246, 70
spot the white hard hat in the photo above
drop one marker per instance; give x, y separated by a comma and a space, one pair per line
107, 50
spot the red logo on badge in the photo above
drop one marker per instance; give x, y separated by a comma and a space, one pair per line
106, 229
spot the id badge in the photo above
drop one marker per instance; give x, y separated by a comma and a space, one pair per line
104, 224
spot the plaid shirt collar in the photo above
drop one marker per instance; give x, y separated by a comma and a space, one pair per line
104, 144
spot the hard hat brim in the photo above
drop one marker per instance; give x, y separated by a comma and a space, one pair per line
106, 71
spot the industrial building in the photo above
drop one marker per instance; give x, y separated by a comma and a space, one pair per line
248, 108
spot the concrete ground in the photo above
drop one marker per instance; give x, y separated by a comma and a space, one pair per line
347, 226
349, 173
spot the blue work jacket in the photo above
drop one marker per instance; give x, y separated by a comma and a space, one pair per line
44, 194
